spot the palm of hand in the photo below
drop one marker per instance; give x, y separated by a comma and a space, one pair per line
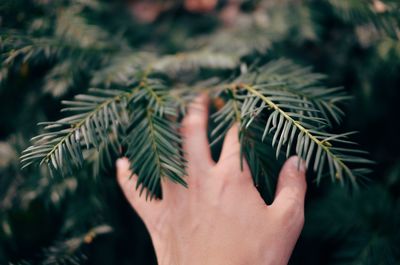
220, 218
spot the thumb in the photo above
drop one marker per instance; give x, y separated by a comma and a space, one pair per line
292, 186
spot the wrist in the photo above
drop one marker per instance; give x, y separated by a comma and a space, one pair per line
169, 253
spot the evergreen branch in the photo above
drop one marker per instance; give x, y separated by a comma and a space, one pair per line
126, 66
70, 251
153, 144
104, 157
293, 80
259, 154
93, 116
235, 40
56, 46
192, 62
63, 76
226, 116
16, 46
75, 29
309, 141
152, 131
19, 53
121, 70
383, 15
298, 111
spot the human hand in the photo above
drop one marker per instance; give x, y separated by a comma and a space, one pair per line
220, 218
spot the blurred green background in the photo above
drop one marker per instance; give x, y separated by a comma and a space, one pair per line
52, 50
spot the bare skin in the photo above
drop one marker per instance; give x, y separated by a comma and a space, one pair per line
220, 218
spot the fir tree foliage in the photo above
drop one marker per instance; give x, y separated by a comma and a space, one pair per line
139, 103
125, 87
381, 15
285, 99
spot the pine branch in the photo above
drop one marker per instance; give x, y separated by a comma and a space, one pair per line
20, 53
309, 141
234, 41
125, 66
104, 157
383, 15
282, 108
295, 81
15, 46
63, 76
153, 142
73, 38
69, 251
225, 117
122, 69
92, 117
259, 154
191, 62
295, 114
153, 145
75, 29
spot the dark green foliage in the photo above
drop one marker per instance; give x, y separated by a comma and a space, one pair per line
125, 87
365, 235
93, 117
289, 99
153, 142
288, 102
382, 15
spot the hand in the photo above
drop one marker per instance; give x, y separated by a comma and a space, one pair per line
220, 218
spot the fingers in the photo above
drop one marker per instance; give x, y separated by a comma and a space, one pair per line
231, 147
194, 133
128, 182
230, 154
291, 189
